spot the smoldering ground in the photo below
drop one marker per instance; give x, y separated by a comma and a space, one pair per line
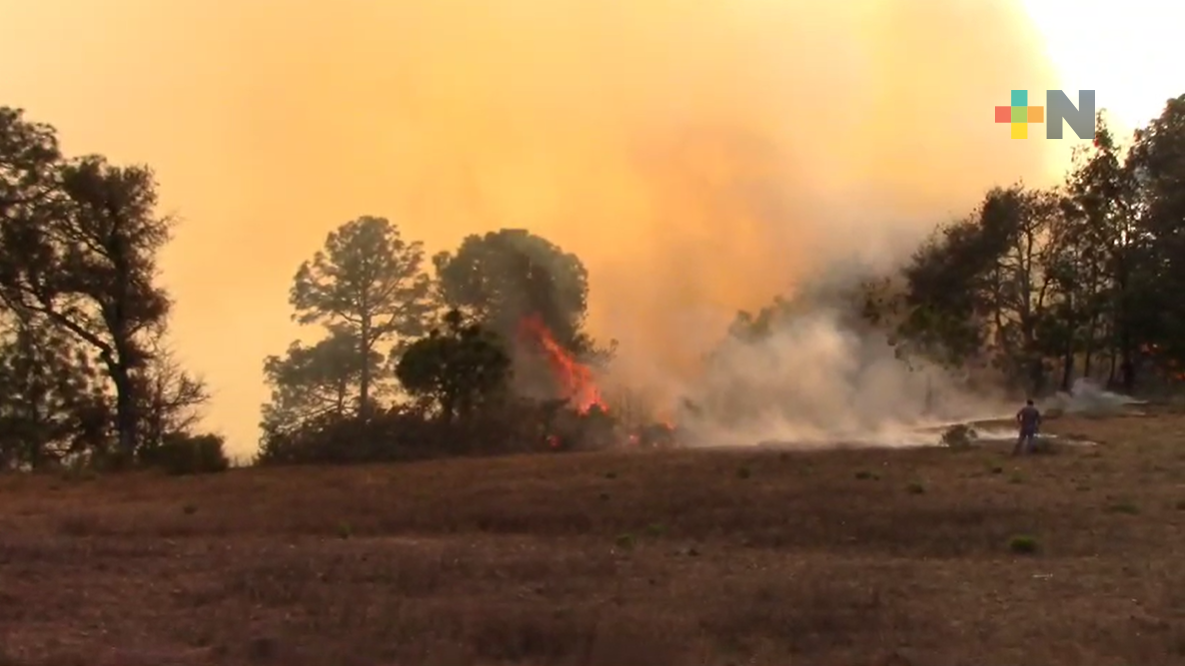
700, 157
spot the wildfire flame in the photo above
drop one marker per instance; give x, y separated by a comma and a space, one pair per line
574, 378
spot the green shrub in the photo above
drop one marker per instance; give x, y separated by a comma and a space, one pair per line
1023, 544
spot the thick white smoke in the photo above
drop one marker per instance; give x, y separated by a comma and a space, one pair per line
821, 377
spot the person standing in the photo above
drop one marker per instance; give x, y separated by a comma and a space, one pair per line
1029, 420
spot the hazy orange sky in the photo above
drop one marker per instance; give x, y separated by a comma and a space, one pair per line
699, 155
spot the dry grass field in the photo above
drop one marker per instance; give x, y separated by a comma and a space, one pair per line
852, 558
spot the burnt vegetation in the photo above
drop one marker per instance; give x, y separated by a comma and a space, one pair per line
483, 349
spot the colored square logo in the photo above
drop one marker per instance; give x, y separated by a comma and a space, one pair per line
1019, 114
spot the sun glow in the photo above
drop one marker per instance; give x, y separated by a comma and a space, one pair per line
1126, 51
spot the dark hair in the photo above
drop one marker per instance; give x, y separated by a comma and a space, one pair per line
1029, 401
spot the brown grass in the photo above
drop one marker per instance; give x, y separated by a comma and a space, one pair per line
853, 558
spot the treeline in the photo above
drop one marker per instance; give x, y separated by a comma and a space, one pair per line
1037, 288
1082, 280
483, 349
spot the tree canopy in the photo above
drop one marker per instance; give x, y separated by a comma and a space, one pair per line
367, 283
502, 277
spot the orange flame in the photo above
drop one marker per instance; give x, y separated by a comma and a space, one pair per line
575, 378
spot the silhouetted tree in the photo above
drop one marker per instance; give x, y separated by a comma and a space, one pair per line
458, 368
1096, 247
1155, 306
369, 284
86, 262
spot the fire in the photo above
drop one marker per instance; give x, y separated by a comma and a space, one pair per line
574, 378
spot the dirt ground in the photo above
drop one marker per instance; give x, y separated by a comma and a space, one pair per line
852, 558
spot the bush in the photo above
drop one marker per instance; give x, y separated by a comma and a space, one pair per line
386, 435
405, 433
960, 436
180, 454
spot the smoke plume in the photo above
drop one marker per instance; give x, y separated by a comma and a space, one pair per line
700, 156
817, 374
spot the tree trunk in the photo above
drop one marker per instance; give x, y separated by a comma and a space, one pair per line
1088, 356
36, 440
1128, 367
1036, 375
1128, 371
364, 378
1067, 367
1113, 357
125, 413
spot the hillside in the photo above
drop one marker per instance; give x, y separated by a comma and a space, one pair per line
908, 558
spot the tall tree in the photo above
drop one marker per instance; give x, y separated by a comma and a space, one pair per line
86, 262
369, 283
1157, 163
1021, 287
1097, 246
